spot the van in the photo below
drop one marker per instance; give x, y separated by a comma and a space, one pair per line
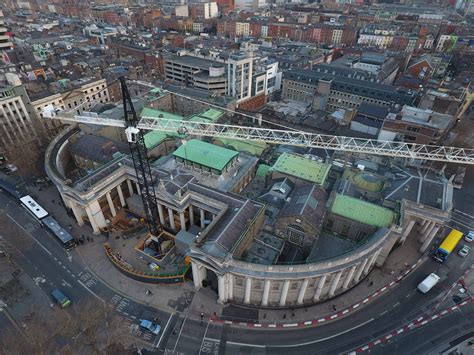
428, 283
60, 299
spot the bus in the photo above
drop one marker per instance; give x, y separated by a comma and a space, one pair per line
447, 246
33, 207
62, 236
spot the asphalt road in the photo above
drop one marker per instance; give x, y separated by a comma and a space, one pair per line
62, 269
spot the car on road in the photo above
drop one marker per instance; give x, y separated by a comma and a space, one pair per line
469, 237
428, 283
61, 299
149, 326
464, 251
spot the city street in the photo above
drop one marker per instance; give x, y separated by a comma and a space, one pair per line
42, 257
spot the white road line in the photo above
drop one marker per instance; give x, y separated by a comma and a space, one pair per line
203, 338
19, 225
90, 291
180, 331
299, 344
396, 304
383, 312
164, 331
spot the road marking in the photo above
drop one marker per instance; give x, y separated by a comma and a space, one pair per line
90, 291
179, 335
299, 344
19, 225
396, 304
383, 312
203, 338
164, 330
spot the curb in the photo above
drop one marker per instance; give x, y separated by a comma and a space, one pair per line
417, 323
326, 318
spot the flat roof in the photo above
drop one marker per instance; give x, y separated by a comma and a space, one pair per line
153, 113
153, 138
196, 62
253, 148
211, 115
362, 211
206, 154
301, 167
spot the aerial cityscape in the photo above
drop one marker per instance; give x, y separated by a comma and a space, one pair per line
236, 177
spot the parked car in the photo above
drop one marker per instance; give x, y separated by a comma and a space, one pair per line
469, 237
464, 251
149, 326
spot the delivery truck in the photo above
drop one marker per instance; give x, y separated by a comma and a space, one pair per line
428, 283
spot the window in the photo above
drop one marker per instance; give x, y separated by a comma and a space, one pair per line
295, 234
413, 129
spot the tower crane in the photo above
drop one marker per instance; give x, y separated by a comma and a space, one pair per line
134, 127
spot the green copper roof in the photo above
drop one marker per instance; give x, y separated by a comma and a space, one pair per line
152, 113
252, 148
301, 167
205, 154
262, 170
362, 211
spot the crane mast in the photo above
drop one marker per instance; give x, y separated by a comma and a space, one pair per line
139, 152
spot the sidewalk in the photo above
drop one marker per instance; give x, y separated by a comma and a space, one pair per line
172, 297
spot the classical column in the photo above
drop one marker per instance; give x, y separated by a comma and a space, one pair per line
182, 221
92, 221
426, 232
138, 188
371, 263
302, 292
230, 287
284, 292
171, 217
349, 276
319, 288
425, 226
77, 214
161, 213
203, 217
334, 283
221, 288
191, 215
111, 204
266, 292
196, 276
248, 289
130, 188
120, 193
407, 231
360, 270
429, 239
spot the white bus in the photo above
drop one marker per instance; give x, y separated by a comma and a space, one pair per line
33, 207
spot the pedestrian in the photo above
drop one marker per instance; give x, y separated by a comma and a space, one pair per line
202, 317
371, 283
334, 308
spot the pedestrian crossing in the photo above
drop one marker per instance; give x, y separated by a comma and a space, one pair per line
88, 279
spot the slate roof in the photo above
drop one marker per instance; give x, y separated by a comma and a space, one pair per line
307, 201
354, 86
97, 149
